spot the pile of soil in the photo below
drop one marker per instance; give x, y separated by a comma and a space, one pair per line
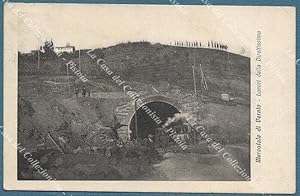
74, 138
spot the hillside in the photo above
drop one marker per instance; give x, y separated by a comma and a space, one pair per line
84, 127
146, 62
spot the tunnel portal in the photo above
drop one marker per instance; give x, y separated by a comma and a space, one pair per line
145, 124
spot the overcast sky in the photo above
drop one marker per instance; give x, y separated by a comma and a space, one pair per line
94, 26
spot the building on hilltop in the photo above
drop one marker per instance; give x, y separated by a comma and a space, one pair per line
68, 49
57, 49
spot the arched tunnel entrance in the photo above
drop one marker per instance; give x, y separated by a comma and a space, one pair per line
145, 124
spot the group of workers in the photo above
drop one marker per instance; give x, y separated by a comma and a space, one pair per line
85, 91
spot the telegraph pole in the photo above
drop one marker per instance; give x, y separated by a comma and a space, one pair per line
194, 78
38, 54
136, 119
68, 79
79, 60
203, 80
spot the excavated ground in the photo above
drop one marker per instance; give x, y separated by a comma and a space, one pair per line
83, 129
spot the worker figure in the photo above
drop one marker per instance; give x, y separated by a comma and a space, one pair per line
152, 153
165, 138
83, 91
76, 91
89, 92
149, 142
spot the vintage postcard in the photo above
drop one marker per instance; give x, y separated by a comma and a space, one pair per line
149, 98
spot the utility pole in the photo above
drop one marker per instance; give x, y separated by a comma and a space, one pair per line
195, 89
79, 60
38, 54
136, 119
203, 80
228, 56
68, 79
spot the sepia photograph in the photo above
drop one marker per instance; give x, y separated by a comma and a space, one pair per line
99, 103
147, 97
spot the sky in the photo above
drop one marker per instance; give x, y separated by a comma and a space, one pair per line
96, 26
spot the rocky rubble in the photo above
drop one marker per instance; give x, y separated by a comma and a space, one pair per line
90, 148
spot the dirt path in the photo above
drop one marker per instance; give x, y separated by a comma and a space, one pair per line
192, 167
